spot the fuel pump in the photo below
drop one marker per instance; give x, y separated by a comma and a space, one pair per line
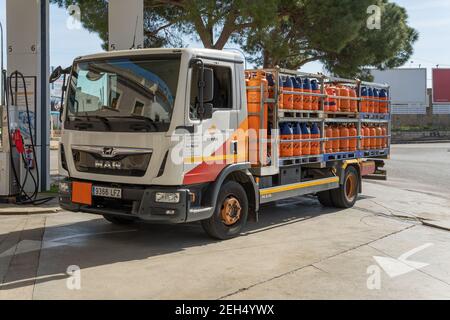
25, 150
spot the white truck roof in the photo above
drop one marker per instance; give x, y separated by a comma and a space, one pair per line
220, 54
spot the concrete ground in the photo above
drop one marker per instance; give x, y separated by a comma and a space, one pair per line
392, 245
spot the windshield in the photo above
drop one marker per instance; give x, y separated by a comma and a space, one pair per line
123, 94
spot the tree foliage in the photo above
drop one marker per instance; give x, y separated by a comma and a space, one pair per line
288, 33
334, 32
214, 22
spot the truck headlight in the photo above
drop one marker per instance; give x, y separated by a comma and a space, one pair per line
64, 187
167, 197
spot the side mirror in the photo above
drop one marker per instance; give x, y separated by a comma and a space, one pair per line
208, 87
205, 108
205, 86
56, 74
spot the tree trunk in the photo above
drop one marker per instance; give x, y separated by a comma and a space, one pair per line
266, 60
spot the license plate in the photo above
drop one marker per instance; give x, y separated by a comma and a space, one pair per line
107, 192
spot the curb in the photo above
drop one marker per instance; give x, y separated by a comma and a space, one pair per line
436, 224
28, 211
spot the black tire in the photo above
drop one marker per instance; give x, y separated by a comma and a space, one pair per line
216, 226
117, 220
325, 198
346, 195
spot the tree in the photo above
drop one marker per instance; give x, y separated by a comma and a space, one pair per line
334, 32
214, 22
166, 22
288, 33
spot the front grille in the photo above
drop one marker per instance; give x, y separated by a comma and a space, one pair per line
120, 206
134, 165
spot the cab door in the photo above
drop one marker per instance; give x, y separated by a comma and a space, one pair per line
212, 145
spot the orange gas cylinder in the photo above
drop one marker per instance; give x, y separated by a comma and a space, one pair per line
379, 140
385, 137
247, 79
329, 144
353, 142
288, 98
257, 80
384, 101
315, 134
364, 104
353, 103
366, 139
344, 143
273, 89
338, 101
345, 103
286, 148
280, 93
307, 100
362, 138
373, 140
370, 103
306, 134
330, 103
315, 100
298, 98
336, 143
297, 136
376, 103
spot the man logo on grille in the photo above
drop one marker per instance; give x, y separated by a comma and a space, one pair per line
108, 152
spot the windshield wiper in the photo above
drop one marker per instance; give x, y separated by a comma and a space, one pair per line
104, 120
147, 120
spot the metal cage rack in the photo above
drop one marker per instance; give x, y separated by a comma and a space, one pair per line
322, 118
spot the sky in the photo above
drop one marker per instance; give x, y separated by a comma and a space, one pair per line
430, 17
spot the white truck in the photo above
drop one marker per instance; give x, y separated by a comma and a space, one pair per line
161, 136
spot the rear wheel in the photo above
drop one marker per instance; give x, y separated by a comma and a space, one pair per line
230, 214
325, 198
117, 220
345, 196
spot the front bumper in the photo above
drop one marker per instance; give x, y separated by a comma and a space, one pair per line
138, 202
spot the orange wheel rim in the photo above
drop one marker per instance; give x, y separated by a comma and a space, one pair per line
350, 187
230, 211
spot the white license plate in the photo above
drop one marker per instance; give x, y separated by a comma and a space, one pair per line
107, 192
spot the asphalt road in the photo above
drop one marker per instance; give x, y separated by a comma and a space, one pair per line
391, 245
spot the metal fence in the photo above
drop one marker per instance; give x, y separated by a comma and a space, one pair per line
409, 109
441, 109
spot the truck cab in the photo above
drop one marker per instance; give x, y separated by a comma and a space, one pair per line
147, 133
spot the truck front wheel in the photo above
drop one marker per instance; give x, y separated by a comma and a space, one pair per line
230, 214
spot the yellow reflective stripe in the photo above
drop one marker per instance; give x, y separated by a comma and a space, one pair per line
200, 159
298, 186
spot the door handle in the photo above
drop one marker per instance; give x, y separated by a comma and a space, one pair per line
234, 147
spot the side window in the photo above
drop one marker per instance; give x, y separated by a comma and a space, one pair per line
223, 95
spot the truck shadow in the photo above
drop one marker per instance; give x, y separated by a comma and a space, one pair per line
95, 242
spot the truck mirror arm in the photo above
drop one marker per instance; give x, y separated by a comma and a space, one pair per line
201, 86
